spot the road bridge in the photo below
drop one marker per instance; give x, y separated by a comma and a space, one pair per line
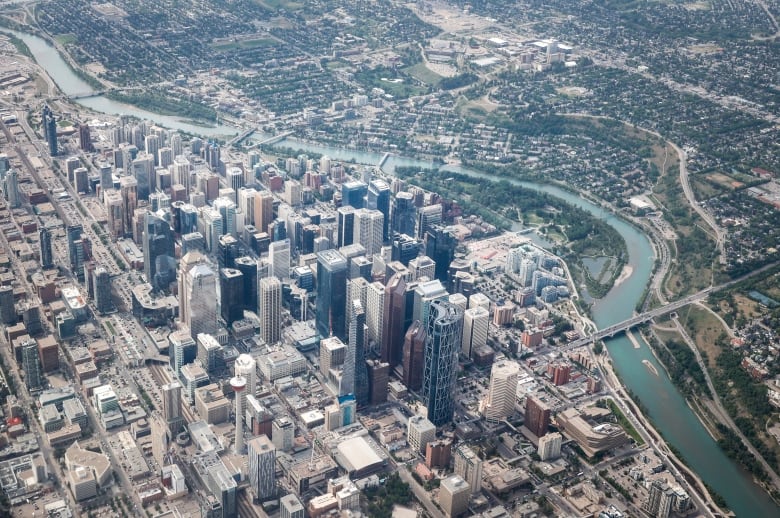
649, 315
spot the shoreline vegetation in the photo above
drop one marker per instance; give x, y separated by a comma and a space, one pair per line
576, 233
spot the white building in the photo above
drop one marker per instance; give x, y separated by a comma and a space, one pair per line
550, 446
279, 256
368, 230
476, 321
269, 309
500, 401
420, 431
262, 467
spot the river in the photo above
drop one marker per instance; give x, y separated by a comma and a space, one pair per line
71, 84
666, 407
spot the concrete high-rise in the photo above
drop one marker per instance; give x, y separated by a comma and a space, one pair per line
262, 467
475, 330
331, 294
442, 345
264, 210
279, 256
367, 230
238, 384
200, 291
468, 465
171, 407
7, 305
159, 252
537, 416
12, 189
378, 198
102, 282
270, 309
499, 403
454, 494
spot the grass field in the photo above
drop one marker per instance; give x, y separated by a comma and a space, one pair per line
65, 39
704, 328
424, 74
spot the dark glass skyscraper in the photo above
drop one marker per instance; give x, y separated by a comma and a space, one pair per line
440, 246
50, 129
159, 254
231, 294
331, 294
346, 225
405, 248
44, 239
353, 193
403, 216
354, 379
76, 251
248, 268
414, 355
442, 345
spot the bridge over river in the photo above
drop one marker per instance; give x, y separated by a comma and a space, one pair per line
649, 315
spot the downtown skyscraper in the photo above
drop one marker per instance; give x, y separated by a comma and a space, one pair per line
159, 254
442, 345
354, 378
331, 294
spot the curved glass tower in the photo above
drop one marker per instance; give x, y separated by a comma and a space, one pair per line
442, 344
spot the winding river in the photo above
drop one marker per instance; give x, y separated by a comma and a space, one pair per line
666, 407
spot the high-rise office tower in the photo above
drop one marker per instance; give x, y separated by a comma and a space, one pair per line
414, 356
424, 295
291, 507
279, 255
428, 217
499, 403
405, 248
264, 210
182, 350
227, 209
200, 290
106, 176
128, 188
210, 353
159, 252
31, 362
85, 138
7, 306
76, 251
181, 171
468, 465
152, 147
403, 215
353, 193
44, 239
375, 313
378, 198
476, 321
440, 246
50, 129
102, 282
346, 225
262, 467
171, 407
394, 320
442, 344
235, 180
228, 250
12, 189
537, 416
231, 289
248, 268
367, 230
164, 157
422, 266
175, 141
270, 309
354, 379
143, 171
331, 294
